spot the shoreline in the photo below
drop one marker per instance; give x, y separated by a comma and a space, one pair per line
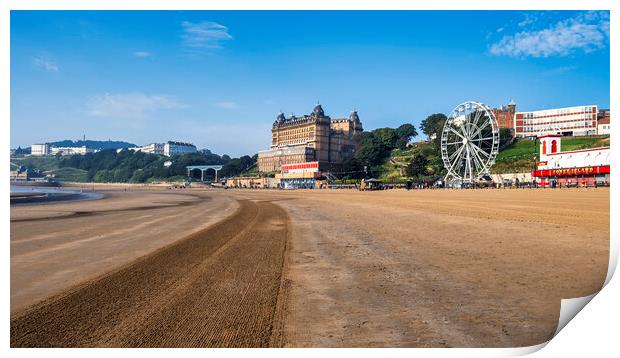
43, 195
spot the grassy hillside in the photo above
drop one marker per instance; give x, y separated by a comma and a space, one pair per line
41, 163
576, 143
515, 158
69, 174
50, 165
392, 168
519, 156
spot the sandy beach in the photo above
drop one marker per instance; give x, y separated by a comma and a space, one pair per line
337, 268
58, 245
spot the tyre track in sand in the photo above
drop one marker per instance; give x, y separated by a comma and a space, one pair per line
219, 287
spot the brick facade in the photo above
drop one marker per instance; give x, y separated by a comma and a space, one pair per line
308, 138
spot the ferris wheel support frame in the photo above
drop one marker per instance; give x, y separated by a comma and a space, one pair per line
467, 155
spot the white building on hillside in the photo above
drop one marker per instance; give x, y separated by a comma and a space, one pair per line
71, 150
40, 149
168, 149
153, 148
569, 121
48, 149
173, 148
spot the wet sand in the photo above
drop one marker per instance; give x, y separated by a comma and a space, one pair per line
395, 268
217, 288
41, 195
58, 245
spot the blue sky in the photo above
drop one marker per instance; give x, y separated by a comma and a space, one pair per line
218, 78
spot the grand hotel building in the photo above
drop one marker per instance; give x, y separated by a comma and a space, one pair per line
310, 138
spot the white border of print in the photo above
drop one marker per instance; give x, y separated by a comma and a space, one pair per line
593, 331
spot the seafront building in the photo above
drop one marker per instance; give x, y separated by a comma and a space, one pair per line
301, 175
314, 137
568, 121
254, 182
585, 167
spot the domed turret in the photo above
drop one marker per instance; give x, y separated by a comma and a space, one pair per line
279, 119
354, 117
318, 111
512, 106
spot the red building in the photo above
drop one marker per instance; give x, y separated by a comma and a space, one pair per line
585, 167
505, 116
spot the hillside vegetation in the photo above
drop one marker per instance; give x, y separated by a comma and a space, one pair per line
520, 156
129, 166
517, 157
69, 174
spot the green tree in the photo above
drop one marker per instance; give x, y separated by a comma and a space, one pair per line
404, 133
352, 168
102, 176
433, 124
387, 136
505, 136
371, 150
417, 167
237, 166
140, 175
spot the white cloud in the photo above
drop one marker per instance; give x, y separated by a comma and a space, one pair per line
141, 54
45, 64
529, 19
204, 35
226, 105
585, 32
130, 105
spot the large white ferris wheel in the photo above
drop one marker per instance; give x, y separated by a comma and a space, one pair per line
469, 142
